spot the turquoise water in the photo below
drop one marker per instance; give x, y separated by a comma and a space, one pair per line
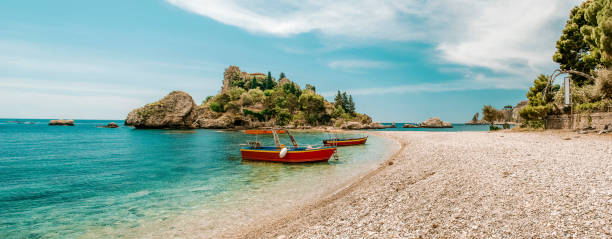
84, 181
455, 128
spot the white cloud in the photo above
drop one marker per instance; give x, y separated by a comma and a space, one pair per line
515, 37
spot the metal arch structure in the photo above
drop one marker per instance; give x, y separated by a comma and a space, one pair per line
559, 72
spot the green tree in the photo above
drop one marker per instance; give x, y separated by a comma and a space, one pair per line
253, 83
598, 31
586, 41
338, 100
269, 83
313, 107
536, 92
490, 114
282, 75
572, 49
310, 87
351, 105
345, 102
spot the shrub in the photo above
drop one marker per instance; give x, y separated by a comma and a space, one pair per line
268, 92
506, 126
493, 128
534, 124
232, 106
208, 98
246, 99
534, 112
216, 107
257, 95
584, 94
603, 83
235, 93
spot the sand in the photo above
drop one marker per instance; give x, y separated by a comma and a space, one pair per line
466, 185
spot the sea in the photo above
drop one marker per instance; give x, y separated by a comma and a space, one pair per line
84, 181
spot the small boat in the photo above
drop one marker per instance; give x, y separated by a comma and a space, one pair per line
282, 153
345, 142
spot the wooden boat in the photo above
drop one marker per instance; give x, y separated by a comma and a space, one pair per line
345, 142
285, 154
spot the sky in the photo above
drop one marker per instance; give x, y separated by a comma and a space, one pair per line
403, 61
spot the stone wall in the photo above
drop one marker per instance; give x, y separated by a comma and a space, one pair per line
579, 121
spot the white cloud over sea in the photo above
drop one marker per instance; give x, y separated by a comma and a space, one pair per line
507, 37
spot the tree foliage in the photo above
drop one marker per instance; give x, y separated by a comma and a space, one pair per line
586, 41
262, 98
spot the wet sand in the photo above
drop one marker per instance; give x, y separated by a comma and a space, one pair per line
466, 184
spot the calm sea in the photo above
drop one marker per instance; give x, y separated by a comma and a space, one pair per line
89, 182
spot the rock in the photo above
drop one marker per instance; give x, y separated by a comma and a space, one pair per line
377, 125
408, 125
62, 122
352, 125
110, 125
176, 110
475, 120
222, 122
515, 111
435, 122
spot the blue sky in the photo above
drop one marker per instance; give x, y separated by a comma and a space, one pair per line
403, 61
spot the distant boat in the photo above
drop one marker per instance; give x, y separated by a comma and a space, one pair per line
282, 153
345, 142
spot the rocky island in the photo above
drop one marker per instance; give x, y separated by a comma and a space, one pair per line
433, 122
63, 122
252, 100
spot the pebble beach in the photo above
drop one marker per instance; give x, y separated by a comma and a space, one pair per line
467, 185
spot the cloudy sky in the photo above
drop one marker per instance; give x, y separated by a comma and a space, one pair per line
403, 61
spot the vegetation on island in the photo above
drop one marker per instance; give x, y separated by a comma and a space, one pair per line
260, 97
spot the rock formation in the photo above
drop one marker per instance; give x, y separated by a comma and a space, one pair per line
435, 122
361, 125
515, 111
176, 110
111, 125
408, 125
68, 122
475, 120
249, 100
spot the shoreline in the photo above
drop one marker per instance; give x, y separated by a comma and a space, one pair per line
466, 190
333, 195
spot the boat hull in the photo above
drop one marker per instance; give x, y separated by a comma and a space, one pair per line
345, 142
292, 156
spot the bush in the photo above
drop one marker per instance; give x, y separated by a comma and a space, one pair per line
584, 94
534, 112
216, 107
534, 124
603, 83
257, 95
235, 93
232, 106
208, 98
493, 128
506, 126
246, 99
268, 92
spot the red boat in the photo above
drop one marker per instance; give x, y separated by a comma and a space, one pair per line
345, 142
284, 154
